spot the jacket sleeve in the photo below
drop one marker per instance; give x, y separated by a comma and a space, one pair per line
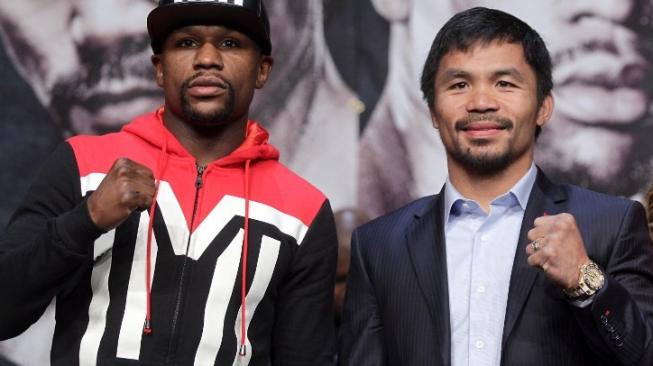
304, 326
47, 242
361, 332
619, 322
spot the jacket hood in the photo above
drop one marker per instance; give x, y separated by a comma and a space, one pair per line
150, 128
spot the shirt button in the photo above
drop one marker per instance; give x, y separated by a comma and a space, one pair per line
480, 289
485, 238
480, 344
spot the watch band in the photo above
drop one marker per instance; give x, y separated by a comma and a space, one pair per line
585, 290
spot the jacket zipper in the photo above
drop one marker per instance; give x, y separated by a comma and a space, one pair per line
176, 314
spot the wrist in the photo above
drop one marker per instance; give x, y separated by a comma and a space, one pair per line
590, 280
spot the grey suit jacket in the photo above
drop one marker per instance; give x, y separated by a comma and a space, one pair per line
397, 309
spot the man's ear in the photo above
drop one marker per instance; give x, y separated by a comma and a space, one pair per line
264, 70
434, 121
158, 69
545, 111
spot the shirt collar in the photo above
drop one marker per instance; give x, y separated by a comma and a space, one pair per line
521, 191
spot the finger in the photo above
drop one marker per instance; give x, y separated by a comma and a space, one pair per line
143, 172
138, 201
544, 267
534, 233
535, 259
125, 167
146, 186
538, 232
533, 247
546, 219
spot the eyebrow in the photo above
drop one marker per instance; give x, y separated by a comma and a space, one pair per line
454, 73
511, 71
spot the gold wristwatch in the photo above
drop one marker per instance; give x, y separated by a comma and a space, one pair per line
591, 280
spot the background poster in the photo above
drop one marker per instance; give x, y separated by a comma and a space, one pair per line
343, 103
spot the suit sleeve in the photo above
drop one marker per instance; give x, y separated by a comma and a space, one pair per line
304, 327
619, 322
46, 243
361, 332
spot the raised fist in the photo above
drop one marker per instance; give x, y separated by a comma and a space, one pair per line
127, 187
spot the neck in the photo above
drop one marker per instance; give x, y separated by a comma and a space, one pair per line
207, 143
484, 188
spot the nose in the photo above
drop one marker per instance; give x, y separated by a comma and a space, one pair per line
101, 22
481, 100
208, 56
613, 10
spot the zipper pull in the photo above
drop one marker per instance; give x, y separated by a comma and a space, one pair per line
200, 171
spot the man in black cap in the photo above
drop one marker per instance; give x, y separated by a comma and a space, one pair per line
180, 239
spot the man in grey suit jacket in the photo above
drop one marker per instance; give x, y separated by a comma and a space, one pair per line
502, 267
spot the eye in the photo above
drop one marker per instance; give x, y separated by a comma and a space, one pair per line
230, 43
505, 84
186, 43
459, 85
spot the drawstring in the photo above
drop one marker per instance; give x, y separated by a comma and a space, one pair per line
243, 288
160, 167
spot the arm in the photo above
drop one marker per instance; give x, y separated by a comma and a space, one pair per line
620, 318
49, 240
361, 334
303, 330
617, 321
46, 243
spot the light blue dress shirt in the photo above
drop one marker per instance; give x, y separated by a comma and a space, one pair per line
480, 251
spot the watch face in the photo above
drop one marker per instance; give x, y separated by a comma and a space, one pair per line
593, 277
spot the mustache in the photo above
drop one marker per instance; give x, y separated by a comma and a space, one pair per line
501, 122
204, 78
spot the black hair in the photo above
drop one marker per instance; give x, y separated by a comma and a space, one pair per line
469, 27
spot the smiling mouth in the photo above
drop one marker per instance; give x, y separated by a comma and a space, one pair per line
478, 130
481, 125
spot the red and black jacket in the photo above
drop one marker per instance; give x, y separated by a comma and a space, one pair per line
243, 211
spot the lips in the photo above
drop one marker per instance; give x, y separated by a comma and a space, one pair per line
207, 86
482, 128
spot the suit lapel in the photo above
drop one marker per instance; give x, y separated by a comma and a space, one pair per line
426, 246
543, 199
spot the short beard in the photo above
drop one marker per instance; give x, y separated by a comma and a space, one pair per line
216, 117
484, 165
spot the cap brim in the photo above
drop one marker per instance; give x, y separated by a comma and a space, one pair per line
163, 20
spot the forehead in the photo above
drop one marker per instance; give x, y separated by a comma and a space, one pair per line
486, 58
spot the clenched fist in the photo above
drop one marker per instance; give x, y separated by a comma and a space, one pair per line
557, 248
127, 187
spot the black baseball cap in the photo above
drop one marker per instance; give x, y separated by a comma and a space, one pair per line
246, 16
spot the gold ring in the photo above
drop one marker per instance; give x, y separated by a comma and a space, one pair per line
536, 245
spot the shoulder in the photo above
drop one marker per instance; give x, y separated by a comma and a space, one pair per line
599, 216
592, 201
397, 222
283, 189
96, 154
